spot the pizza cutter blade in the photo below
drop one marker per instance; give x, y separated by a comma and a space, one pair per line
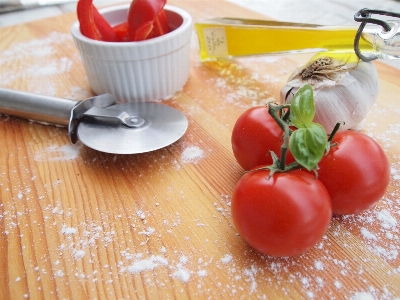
153, 126
99, 122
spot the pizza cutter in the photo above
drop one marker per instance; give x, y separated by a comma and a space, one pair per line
99, 122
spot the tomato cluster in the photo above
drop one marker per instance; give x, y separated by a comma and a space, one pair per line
286, 213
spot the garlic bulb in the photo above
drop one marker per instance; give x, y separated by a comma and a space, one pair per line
344, 89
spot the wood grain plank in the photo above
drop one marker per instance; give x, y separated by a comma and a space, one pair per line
80, 224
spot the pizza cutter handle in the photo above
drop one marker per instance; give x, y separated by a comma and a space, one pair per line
36, 107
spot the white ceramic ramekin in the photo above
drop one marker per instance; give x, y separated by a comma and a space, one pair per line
138, 71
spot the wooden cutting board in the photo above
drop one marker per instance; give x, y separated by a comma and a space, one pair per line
79, 224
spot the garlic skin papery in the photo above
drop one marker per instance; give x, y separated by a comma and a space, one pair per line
344, 89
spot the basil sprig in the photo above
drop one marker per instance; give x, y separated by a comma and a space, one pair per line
308, 142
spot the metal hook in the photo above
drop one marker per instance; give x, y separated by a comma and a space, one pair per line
364, 16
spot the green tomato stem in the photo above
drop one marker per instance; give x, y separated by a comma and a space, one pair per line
285, 115
334, 131
329, 144
273, 110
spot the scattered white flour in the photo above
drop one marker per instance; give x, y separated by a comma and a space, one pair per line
202, 273
59, 273
38, 63
226, 259
387, 220
141, 214
54, 67
147, 264
395, 174
362, 296
192, 154
148, 232
56, 153
37, 48
251, 274
384, 242
337, 284
68, 230
78, 254
318, 265
182, 274
183, 259
368, 235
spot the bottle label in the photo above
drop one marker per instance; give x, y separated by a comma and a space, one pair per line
215, 41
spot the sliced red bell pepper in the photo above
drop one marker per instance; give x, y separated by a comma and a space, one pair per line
160, 25
87, 26
92, 23
144, 16
121, 31
106, 31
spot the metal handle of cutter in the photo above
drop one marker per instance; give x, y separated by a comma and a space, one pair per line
55, 110
36, 107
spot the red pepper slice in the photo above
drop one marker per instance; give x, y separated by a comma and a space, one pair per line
106, 31
121, 31
87, 26
160, 25
144, 16
92, 23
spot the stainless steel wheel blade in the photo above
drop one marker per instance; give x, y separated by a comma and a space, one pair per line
157, 126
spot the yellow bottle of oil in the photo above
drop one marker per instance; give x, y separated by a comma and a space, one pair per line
230, 37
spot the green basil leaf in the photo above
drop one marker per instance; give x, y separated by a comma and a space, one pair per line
302, 109
308, 145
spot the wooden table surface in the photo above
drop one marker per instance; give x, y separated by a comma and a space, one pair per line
80, 224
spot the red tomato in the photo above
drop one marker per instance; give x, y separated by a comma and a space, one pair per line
356, 173
284, 215
254, 135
